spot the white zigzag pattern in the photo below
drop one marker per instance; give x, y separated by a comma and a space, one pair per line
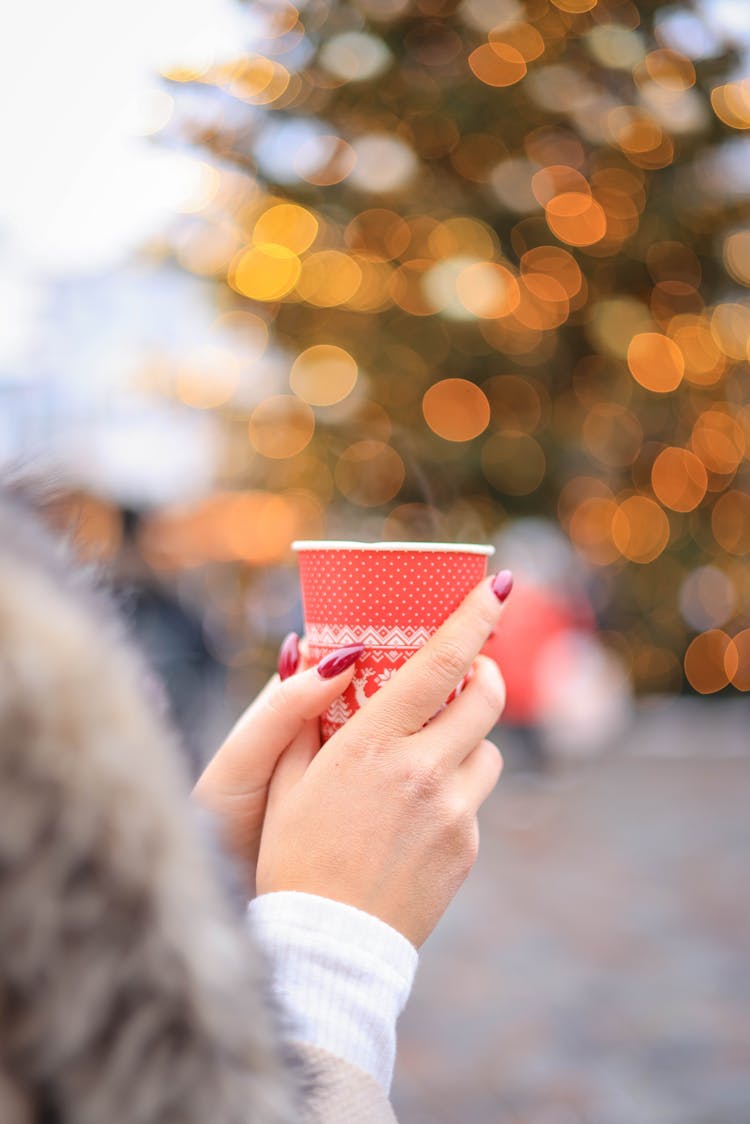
338, 636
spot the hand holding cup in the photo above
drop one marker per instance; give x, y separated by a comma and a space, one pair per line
384, 815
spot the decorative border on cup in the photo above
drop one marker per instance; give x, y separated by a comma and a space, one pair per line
338, 636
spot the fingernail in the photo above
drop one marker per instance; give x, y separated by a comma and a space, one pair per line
336, 662
502, 584
289, 656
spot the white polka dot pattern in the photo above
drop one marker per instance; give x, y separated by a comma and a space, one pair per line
389, 600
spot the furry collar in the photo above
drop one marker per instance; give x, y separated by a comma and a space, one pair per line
128, 994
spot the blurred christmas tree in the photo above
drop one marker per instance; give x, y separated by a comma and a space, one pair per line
484, 260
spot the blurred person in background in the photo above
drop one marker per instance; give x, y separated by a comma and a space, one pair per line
170, 636
128, 991
567, 694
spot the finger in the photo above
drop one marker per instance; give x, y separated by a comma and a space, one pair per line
293, 763
479, 773
294, 656
412, 696
273, 721
452, 736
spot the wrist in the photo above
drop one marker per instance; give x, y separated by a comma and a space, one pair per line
341, 975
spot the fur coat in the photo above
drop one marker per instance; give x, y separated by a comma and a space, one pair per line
129, 992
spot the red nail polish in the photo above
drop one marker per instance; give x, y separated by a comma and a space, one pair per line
336, 662
289, 656
502, 584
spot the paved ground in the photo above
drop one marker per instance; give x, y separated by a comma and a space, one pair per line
595, 967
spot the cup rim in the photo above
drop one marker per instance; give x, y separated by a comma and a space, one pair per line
343, 544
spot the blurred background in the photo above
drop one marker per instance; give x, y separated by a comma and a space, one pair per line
422, 269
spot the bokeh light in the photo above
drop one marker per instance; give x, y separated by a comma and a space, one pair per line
266, 272
656, 362
730, 522
287, 225
323, 374
328, 278
498, 64
456, 409
736, 254
281, 426
741, 677
576, 218
718, 439
679, 479
640, 529
710, 662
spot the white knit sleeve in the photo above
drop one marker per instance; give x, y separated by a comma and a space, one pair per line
341, 976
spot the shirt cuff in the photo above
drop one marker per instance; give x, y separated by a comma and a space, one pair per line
341, 975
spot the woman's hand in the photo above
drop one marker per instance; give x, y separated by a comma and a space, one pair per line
384, 816
234, 784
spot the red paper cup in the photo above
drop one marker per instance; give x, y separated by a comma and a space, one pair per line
389, 596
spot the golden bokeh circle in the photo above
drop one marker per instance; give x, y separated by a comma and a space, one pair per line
710, 661
730, 522
576, 218
656, 362
497, 64
323, 374
517, 403
281, 426
378, 234
406, 288
287, 224
456, 409
524, 37
679, 479
718, 439
640, 529
669, 69
736, 255
266, 272
543, 303
328, 278
740, 678
590, 528
705, 362
555, 262
462, 236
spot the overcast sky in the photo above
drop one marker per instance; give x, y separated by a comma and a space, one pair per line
79, 186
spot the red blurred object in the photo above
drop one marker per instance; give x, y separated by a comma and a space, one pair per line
533, 617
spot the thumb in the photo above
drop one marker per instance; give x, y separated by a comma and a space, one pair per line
293, 764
